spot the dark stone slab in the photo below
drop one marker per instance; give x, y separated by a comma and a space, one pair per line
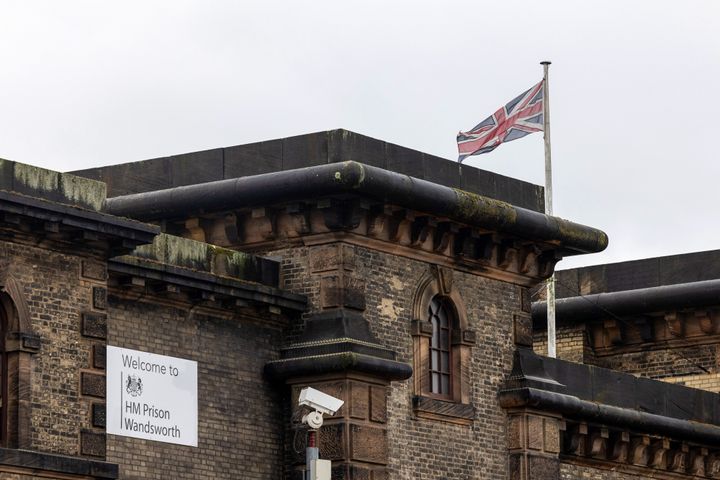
92, 384
344, 145
331, 441
253, 159
368, 444
477, 181
94, 270
46, 462
567, 283
305, 150
442, 171
92, 444
516, 466
691, 267
405, 160
543, 468
510, 190
94, 325
522, 330
99, 415
6, 174
135, 177
378, 404
99, 356
645, 273
197, 167
627, 276
99, 298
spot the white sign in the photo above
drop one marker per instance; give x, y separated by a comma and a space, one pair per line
151, 396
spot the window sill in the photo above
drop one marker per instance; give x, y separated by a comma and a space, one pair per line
443, 410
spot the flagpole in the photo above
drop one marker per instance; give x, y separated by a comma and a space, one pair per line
551, 350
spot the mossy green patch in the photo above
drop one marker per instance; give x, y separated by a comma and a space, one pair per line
475, 207
83, 191
186, 253
37, 178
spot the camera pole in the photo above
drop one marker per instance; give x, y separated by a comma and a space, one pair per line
311, 453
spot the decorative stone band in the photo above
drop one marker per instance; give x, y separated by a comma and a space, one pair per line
352, 178
338, 362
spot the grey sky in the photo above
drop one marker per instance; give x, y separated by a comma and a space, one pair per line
633, 91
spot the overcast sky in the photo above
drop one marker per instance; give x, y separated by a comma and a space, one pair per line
633, 88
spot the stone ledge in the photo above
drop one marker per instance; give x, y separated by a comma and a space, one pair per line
37, 462
452, 412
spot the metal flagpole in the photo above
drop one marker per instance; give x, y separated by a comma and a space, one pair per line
548, 208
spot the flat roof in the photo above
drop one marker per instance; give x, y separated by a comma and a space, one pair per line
635, 274
304, 151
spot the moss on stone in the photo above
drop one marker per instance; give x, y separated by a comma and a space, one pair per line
475, 207
83, 191
187, 253
37, 178
574, 234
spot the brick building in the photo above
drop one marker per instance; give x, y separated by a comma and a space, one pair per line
395, 280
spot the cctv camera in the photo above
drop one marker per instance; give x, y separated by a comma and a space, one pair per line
319, 401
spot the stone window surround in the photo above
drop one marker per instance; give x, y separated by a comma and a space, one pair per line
19, 342
438, 282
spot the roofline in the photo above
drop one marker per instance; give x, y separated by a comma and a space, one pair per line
630, 302
355, 178
625, 418
203, 281
134, 232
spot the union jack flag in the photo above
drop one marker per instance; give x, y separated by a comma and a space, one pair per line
522, 116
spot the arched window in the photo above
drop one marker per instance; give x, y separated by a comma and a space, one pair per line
442, 345
18, 343
441, 319
4, 399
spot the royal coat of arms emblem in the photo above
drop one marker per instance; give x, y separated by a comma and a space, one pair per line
134, 386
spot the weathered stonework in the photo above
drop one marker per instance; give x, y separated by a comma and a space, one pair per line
475, 450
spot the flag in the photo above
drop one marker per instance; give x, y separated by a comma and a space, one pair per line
522, 116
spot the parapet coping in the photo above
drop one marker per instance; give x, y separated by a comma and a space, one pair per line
598, 395
204, 281
357, 179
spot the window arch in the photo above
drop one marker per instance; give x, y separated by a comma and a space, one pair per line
4, 399
441, 348
442, 322
18, 343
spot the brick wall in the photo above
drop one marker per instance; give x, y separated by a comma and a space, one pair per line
570, 344
421, 448
708, 381
57, 295
240, 433
664, 363
698, 364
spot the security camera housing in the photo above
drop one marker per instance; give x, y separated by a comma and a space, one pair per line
319, 401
